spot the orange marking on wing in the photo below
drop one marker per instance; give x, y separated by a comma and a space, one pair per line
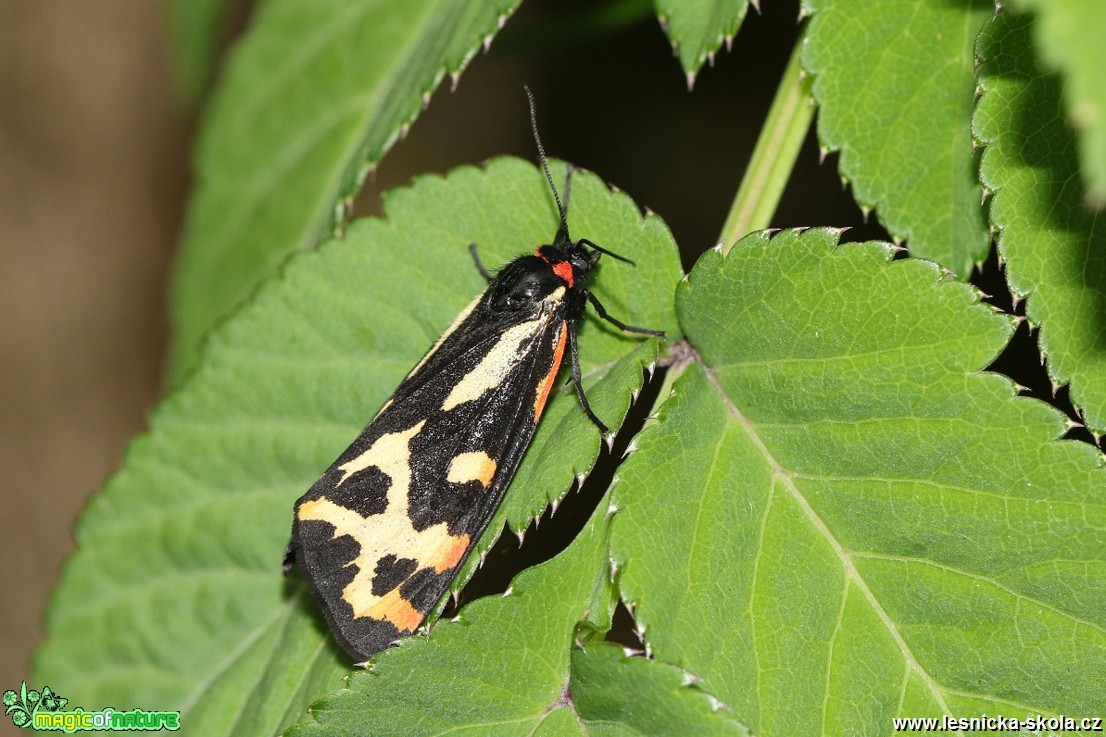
395, 609
449, 554
547, 383
472, 466
564, 270
487, 472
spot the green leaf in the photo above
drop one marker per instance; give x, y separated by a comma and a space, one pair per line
839, 518
1068, 36
1055, 250
175, 597
620, 695
697, 28
313, 96
894, 84
195, 29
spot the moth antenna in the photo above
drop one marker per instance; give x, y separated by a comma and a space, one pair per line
612, 254
545, 163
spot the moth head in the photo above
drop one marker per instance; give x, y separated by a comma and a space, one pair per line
583, 259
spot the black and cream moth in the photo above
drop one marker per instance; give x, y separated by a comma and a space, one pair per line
380, 536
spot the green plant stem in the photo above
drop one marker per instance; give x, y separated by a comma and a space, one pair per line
774, 156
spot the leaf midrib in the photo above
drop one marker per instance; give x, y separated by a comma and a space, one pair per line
852, 575
248, 642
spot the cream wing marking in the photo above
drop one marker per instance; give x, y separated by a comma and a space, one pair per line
473, 466
381, 534
391, 455
503, 357
496, 364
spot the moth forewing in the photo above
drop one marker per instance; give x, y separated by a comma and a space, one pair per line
382, 533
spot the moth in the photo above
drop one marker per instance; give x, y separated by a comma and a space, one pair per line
380, 536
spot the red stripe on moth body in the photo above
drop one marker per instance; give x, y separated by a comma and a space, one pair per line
562, 269
547, 382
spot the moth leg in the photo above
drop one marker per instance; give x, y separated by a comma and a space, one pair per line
618, 323
574, 355
479, 264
